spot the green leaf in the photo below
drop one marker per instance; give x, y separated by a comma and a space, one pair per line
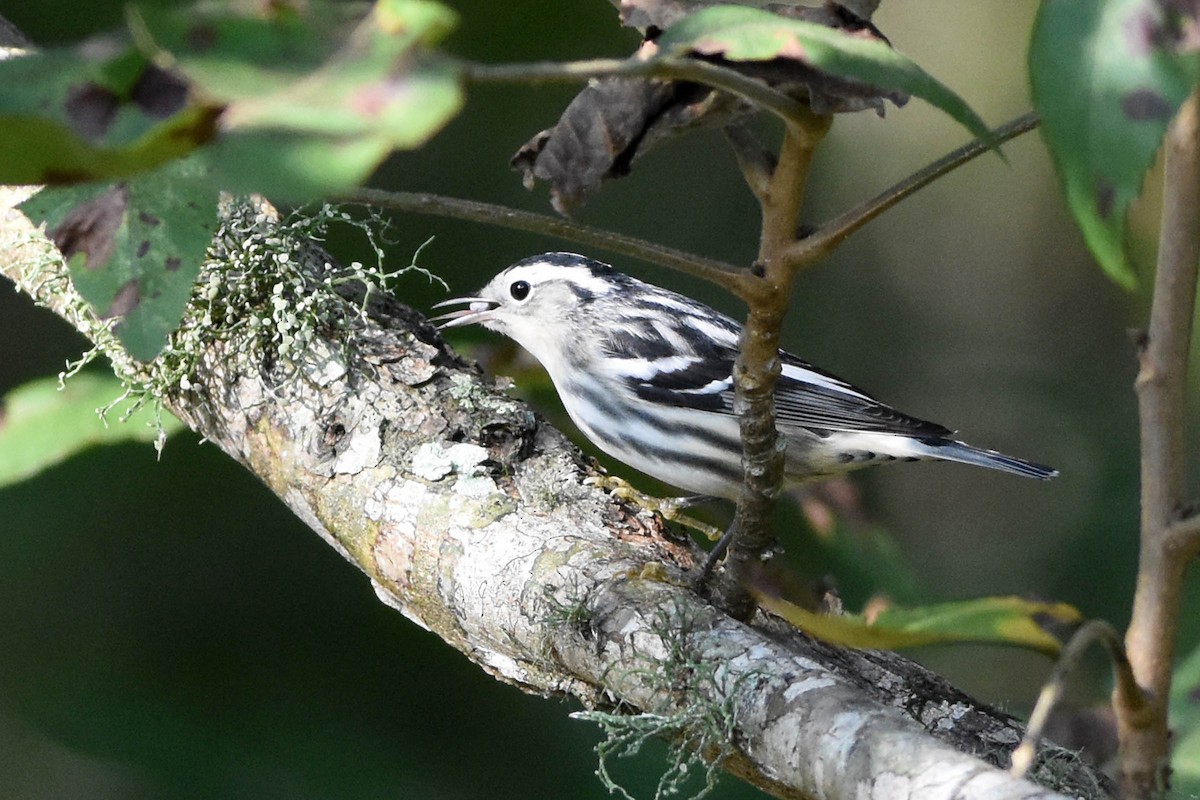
1185, 725
293, 166
1010, 621
1107, 78
134, 249
310, 97
41, 426
67, 117
738, 33
316, 99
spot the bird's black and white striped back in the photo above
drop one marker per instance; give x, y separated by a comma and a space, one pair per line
646, 374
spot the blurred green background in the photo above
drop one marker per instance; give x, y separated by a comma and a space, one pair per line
169, 630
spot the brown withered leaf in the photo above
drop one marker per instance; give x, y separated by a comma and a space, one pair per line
602, 131
614, 120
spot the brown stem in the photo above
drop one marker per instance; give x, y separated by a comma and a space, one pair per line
1161, 380
1095, 630
718, 272
767, 291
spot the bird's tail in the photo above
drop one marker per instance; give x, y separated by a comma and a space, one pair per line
966, 454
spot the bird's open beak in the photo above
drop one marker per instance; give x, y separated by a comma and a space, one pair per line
479, 311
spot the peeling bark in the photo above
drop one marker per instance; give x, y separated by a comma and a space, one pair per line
474, 519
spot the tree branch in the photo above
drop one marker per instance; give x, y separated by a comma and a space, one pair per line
767, 290
472, 517
1161, 384
1182, 539
718, 272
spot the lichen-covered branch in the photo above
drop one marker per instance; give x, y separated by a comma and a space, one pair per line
474, 519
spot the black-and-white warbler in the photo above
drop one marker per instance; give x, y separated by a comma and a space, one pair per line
646, 374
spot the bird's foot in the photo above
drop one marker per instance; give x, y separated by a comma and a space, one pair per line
670, 508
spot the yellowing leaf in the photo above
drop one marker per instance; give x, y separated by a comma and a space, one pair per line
1010, 621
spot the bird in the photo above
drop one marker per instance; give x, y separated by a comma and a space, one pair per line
646, 374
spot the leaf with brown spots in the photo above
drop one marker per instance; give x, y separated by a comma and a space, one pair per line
653, 16
310, 97
66, 117
316, 95
90, 228
134, 249
1107, 78
834, 61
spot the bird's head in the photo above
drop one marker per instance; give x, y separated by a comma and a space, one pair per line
541, 302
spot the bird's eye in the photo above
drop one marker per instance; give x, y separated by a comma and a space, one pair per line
519, 290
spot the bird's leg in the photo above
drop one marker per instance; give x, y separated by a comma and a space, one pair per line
668, 507
718, 552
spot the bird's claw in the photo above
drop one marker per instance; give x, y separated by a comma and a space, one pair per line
669, 508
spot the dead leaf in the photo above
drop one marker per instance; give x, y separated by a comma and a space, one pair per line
602, 131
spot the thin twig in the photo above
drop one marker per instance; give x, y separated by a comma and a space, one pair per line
1161, 385
832, 233
1095, 630
676, 69
718, 272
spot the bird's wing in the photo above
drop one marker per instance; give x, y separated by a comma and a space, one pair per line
805, 397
